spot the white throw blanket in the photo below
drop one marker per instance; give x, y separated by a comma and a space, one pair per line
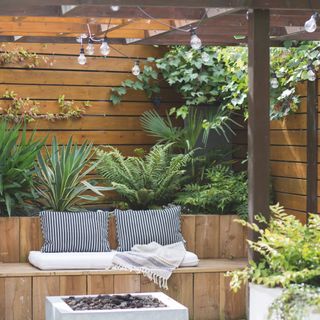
153, 260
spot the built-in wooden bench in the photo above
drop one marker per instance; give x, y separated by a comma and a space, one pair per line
203, 289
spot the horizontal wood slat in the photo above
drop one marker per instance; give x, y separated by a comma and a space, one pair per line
66, 49
58, 73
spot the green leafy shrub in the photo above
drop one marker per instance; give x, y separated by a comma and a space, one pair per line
296, 302
62, 177
17, 158
289, 250
222, 79
144, 182
224, 191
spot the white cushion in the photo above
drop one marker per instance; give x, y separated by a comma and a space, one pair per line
86, 260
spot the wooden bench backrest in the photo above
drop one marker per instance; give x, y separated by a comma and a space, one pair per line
209, 236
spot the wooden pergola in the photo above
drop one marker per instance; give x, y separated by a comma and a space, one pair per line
256, 23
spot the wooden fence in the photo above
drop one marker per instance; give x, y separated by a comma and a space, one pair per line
288, 155
103, 123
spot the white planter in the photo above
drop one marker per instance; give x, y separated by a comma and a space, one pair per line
57, 309
261, 298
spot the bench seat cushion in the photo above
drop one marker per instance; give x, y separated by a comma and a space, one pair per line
86, 260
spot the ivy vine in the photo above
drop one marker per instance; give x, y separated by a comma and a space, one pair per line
218, 76
20, 55
26, 110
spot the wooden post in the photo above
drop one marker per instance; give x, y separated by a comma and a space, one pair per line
312, 147
259, 109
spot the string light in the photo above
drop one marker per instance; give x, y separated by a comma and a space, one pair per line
90, 48
274, 81
311, 73
195, 41
104, 48
82, 58
136, 68
311, 24
115, 8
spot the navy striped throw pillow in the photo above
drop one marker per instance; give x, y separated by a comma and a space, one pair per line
144, 226
85, 231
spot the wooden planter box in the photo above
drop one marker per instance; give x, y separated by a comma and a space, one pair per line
209, 236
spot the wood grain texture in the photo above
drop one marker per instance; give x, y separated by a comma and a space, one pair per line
207, 296
207, 236
126, 283
231, 238
232, 305
9, 244
15, 298
30, 236
59, 73
73, 285
100, 284
188, 229
42, 287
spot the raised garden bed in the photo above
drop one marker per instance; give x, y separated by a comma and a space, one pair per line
209, 236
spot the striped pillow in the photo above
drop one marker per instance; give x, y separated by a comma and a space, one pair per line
144, 226
85, 231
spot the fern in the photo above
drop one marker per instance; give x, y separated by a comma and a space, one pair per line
144, 182
224, 192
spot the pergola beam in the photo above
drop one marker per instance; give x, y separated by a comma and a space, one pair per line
255, 4
259, 118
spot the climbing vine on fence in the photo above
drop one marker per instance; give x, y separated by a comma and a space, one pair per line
218, 76
27, 110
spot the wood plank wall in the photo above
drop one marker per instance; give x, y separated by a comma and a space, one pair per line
103, 123
288, 155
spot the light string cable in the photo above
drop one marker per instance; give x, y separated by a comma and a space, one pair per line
203, 17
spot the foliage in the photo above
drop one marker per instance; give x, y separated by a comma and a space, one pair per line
17, 157
146, 81
188, 136
224, 192
62, 177
289, 250
26, 110
20, 55
222, 81
147, 181
296, 302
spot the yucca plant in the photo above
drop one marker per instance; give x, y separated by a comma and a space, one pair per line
63, 183
144, 182
17, 158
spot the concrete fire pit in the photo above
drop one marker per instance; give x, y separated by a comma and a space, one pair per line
57, 309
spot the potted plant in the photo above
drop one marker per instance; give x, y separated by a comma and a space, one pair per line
290, 254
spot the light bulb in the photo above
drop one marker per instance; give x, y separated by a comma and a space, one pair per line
311, 24
104, 48
115, 8
311, 75
195, 41
90, 48
136, 69
274, 82
205, 57
82, 58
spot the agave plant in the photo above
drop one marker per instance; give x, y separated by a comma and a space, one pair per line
17, 157
62, 177
144, 182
